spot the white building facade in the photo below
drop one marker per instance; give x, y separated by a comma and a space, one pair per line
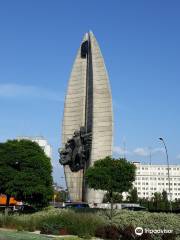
42, 142
154, 178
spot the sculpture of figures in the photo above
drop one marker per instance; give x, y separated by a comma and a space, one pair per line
76, 151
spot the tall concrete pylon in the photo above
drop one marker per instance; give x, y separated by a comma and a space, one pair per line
88, 104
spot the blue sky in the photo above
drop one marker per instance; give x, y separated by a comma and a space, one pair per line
140, 42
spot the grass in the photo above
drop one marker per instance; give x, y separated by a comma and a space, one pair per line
14, 235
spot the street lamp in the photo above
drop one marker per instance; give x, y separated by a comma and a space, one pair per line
167, 158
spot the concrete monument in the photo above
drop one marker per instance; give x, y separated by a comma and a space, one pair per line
87, 123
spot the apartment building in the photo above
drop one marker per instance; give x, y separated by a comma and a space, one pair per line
154, 178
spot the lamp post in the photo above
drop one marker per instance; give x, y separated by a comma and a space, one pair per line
167, 158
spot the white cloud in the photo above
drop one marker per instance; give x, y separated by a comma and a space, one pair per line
119, 150
157, 150
144, 152
16, 90
141, 152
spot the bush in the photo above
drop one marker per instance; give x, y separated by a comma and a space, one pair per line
50, 228
74, 223
57, 221
108, 232
114, 233
148, 220
128, 233
169, 236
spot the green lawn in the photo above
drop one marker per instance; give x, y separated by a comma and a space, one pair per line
14, 235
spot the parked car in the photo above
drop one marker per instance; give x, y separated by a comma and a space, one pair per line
76, 205
177, 210
25, 208
135, 208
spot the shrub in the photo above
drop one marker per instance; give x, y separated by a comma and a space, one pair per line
108, 232
53, 224
90, 224
145, 236
169, 236
80, 224
50, 228
83, 225
128, 233
114, 233
148, 220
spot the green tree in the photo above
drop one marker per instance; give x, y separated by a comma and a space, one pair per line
60, 196
157, 199
165, 202
25, 172
133, 196
111, 175
164, 196
117, 198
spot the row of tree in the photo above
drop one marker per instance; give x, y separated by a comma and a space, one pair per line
158, 202
132, 197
